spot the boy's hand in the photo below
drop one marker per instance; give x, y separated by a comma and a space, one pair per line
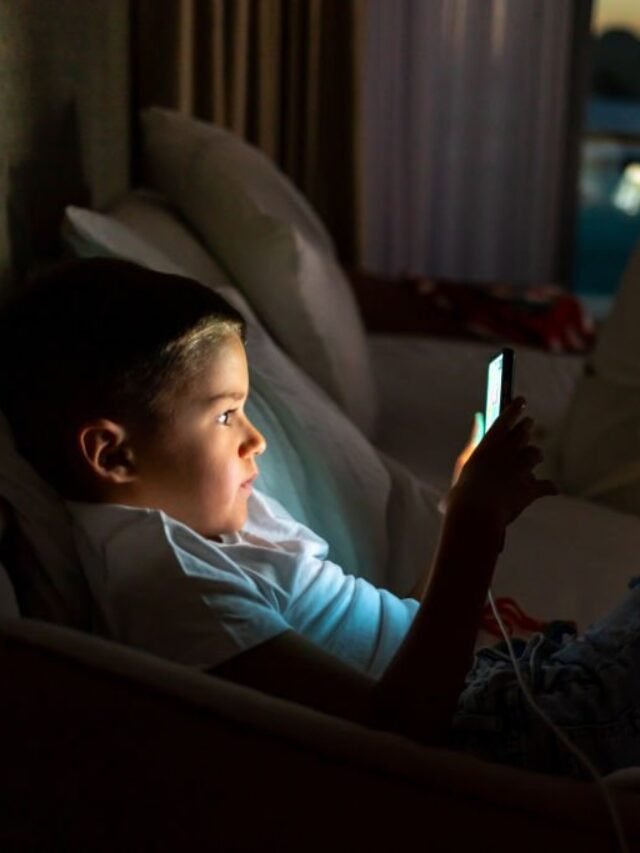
497, 481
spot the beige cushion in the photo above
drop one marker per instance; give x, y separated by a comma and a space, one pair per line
599, 445
148, 217
91, 234
617, 355
269, 240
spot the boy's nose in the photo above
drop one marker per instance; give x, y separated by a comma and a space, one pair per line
261, 444
257, 443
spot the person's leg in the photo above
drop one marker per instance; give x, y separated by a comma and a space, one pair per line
589, 687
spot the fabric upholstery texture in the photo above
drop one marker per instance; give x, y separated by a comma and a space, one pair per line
599, 455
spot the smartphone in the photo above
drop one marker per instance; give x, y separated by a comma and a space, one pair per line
499, 384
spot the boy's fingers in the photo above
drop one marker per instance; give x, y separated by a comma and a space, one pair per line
514, 410
521, 432
508, 417
530, 456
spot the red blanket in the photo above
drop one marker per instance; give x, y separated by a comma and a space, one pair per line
543, 316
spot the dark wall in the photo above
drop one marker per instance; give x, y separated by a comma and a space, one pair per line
64, 80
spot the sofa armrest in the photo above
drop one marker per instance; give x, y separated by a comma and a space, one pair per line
107, 748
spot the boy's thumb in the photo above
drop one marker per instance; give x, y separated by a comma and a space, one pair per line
477, 431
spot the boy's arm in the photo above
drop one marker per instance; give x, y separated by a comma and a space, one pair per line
418, 692
494, 486
421, 685
477, 431
294, 668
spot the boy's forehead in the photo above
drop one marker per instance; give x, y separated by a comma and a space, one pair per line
225, 369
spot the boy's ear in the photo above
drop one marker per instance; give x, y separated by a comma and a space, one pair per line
106, 448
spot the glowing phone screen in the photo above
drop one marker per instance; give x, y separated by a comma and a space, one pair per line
494, 391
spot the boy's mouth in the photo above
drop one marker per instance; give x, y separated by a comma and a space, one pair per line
248, 484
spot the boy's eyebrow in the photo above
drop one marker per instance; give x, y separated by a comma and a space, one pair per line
226, 395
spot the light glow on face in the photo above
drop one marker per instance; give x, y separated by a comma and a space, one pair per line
200, 467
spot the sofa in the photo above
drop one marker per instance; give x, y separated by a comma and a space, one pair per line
113, 748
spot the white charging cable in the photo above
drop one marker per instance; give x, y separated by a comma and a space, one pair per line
562, 737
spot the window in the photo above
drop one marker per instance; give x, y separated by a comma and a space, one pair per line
609, 194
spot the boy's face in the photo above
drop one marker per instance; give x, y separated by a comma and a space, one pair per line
200, 468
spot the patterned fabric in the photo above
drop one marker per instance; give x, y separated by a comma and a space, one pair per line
588, 685
542, 316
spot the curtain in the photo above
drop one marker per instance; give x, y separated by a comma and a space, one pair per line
280, 73
471, 132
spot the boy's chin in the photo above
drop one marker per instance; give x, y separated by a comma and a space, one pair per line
234, 525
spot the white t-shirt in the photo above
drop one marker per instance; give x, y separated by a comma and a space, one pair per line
159, 586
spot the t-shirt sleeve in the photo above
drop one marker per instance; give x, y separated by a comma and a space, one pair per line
175, 595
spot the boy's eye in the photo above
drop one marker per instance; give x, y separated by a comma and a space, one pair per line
225, 417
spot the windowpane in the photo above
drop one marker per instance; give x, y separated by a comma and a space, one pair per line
609, 192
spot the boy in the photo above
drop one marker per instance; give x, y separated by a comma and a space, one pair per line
135, 412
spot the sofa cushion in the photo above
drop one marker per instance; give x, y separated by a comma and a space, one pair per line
617, 354
149, 216
269, 240
599, 455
